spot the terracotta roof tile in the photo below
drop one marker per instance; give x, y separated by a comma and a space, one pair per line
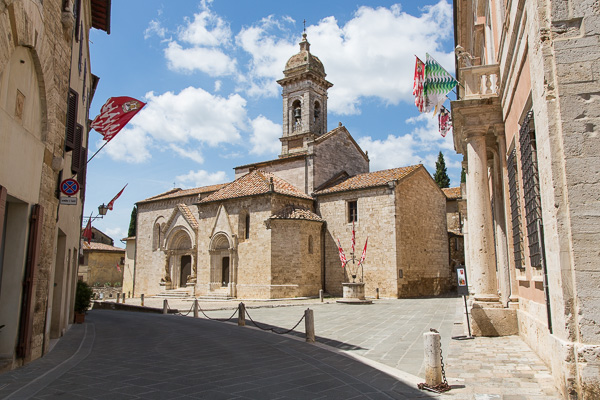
370, 179
452, 193
177, 192
295, 212
252, 184
100, 247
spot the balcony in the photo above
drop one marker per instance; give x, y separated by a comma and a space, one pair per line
479, 82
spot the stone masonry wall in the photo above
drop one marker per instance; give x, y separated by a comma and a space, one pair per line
37, 26
422, 238
376, 218
295, 258
563, 43
102, 267
336, 154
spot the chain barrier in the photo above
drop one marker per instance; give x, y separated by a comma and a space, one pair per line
232, 315
273, 329
217, 319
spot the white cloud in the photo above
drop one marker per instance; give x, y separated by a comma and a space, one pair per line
218, 85
201, 178
207, 29
268, 54
421, 145
211, 61
265, 136
193, 114
372, 55
116, 234
192, 118
155, 27
193, 155
131, 145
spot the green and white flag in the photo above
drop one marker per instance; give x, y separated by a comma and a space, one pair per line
438, 83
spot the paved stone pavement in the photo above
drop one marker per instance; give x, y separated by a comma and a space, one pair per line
363, 351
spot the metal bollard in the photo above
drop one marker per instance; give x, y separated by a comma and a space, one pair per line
118, 297
377, 293
309, 325
165, 307
433, 362
142, 298
195, 308
123, 300
321, 295
241, 314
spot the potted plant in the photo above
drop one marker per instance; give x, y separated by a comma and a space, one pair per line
83, 300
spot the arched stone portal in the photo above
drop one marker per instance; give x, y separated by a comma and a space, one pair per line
180, 268
222, 263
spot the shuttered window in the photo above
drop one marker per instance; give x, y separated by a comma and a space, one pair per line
76, 161
70, 124
82, 173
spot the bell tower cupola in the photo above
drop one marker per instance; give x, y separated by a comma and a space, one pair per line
304, 100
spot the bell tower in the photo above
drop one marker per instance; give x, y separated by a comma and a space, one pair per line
304, 100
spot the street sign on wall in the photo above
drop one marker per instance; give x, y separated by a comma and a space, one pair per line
69, 187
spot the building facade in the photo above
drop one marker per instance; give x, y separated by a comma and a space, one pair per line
526, 121
45, 90
273, 232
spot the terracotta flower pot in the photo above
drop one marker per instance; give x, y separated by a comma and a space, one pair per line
79, 318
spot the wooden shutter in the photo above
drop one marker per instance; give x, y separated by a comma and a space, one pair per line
33, 251
76, 160
72, 102
82, 173
77, 15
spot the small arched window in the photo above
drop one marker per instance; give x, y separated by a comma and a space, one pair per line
310, 244
296, 115
156, 237
247, 227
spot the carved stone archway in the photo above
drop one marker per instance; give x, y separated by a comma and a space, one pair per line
223, 263
179, 247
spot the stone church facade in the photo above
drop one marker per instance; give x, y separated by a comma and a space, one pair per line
273, 231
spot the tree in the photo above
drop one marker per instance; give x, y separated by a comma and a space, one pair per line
441, 175
463, 176
133, 222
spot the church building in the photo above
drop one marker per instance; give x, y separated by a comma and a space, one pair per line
273, 232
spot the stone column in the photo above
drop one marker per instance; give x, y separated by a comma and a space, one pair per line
479, 210
511, 273
231, 274
500, 228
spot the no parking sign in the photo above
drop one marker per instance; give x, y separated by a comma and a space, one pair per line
69, 187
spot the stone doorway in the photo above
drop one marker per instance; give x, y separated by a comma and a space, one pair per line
186, 269
225, 271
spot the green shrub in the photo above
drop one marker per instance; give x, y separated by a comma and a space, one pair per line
83, 297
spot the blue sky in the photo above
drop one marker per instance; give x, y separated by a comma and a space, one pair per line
208, 71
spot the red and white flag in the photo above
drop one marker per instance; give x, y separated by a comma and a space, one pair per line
115, 114
87, 232
445, 121
342, 255
364, 254
110, 204
353, 237
418, 84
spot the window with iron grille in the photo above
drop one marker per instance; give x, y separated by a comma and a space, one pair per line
531, 189
515, 210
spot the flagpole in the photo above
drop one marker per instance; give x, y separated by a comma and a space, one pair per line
94, 155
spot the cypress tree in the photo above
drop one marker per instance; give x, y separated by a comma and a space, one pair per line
463, 176
441, 175
133, 222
